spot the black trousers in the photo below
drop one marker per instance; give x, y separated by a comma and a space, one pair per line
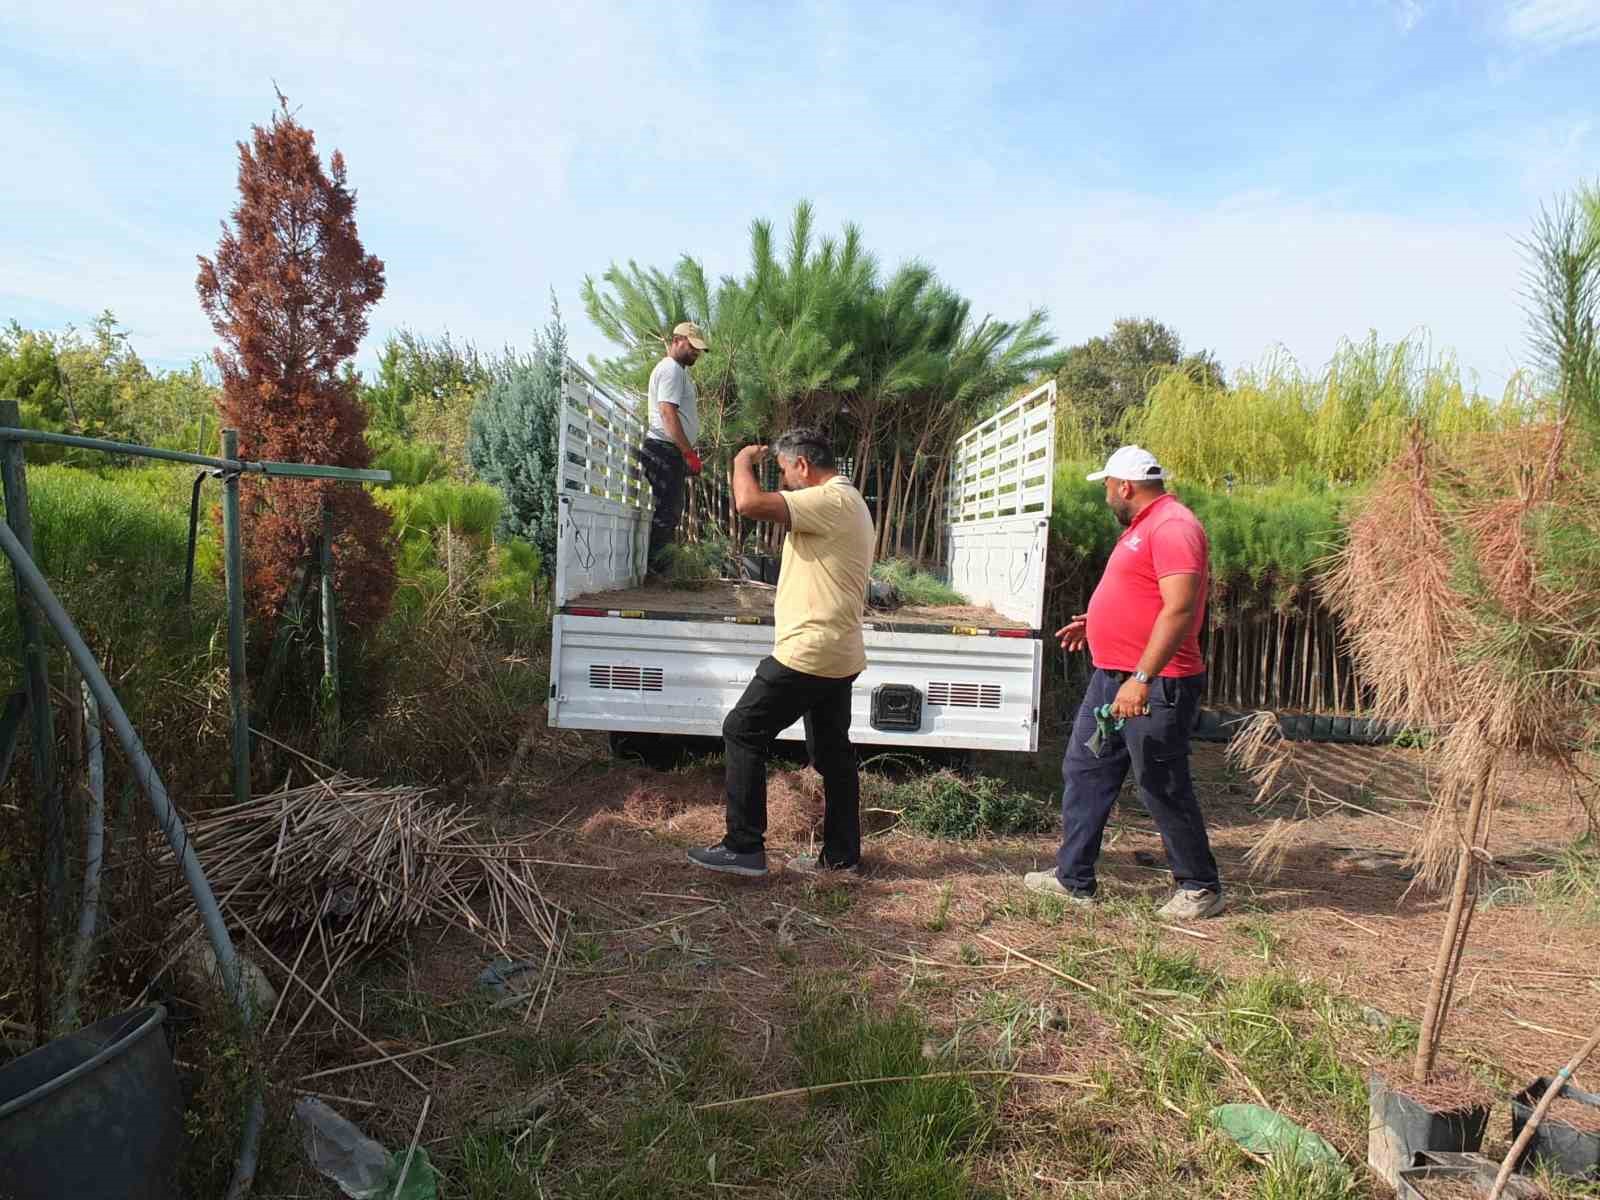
775, 699
1157, 748
665, 469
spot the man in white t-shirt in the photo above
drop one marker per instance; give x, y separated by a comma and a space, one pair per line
668, 453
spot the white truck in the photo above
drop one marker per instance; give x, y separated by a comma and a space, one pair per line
633, 660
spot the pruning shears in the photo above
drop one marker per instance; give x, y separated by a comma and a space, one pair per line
1104, 726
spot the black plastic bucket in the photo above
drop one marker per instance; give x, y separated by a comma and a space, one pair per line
94, 1113
1399, 1129
1564, 1149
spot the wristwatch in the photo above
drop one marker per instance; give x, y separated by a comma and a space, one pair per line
1140, 677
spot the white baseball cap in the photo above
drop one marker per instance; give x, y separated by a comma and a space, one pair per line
1132, 463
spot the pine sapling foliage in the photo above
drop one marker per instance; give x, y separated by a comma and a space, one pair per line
288, 294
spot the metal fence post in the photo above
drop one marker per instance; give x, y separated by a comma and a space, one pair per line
36, 678
233, 561
330, 638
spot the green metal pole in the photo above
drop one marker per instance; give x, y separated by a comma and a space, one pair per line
233, 563
330, 640
36, 677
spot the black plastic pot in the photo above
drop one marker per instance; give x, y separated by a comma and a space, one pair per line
1561, 1147
1398, 1129
94, 1113
1476, 1171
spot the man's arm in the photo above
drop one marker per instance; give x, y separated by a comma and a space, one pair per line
1180, 600
673, 424
748, 497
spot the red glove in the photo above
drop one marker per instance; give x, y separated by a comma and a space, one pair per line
693, 460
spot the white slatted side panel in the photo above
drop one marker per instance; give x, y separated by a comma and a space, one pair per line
600, 436
605, 499
1002, 468
998, 508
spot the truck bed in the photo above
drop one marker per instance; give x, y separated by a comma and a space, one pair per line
728, 598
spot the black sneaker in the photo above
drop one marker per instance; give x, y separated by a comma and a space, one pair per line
720, 858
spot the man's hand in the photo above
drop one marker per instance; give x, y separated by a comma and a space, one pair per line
1133, 700
692, 461
1075, 633
751, 455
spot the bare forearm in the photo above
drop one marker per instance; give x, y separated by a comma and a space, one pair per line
1170, 629
745, 487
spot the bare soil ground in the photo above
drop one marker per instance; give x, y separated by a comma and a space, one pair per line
677, 988
728, 598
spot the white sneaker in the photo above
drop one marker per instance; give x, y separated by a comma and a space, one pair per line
1191, 904
1046, 882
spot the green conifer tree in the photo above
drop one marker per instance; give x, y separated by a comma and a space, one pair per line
514, 439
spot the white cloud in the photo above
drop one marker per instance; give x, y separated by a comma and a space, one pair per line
1551, 25
1407, 14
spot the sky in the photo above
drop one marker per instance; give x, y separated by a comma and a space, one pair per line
1254, 175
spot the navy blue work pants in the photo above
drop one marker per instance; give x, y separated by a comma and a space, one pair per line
1156, 747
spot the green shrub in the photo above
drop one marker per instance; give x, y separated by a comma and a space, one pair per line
692, 565
514, 438
1270, 536
411, 463
953, 805
465, 509
914, 586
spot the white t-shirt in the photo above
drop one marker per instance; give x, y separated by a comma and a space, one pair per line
670, 384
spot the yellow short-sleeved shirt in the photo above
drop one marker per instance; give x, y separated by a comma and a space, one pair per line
822, 585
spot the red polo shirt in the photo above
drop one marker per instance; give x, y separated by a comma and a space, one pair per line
1165, 539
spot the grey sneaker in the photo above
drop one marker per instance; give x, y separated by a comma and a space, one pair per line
1191, 904
812, 864
720, 858
1046, 882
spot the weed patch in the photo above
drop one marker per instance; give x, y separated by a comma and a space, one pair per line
917, 1138
915, 587
951, 804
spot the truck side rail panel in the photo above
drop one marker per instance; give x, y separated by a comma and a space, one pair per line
604, 499
998, 507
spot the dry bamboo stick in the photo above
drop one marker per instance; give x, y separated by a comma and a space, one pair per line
818, 1088
395, 1058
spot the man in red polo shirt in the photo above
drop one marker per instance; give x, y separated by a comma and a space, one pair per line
1142, 630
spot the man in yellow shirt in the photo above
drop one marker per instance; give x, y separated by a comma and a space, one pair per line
816, 655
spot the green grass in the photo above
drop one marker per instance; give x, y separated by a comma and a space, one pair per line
1287, 1178
915, 587
918, 1138
952, 804
1281, 1031
1568, 887
1571, 884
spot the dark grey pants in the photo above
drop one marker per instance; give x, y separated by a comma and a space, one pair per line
774, 700
1156, 747
666, 471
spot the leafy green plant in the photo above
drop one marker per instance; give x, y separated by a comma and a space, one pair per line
949, 804
690, 566
914, 586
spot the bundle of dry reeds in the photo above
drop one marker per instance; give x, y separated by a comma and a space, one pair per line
367, 864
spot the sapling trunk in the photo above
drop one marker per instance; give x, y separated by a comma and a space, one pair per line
1447, 961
